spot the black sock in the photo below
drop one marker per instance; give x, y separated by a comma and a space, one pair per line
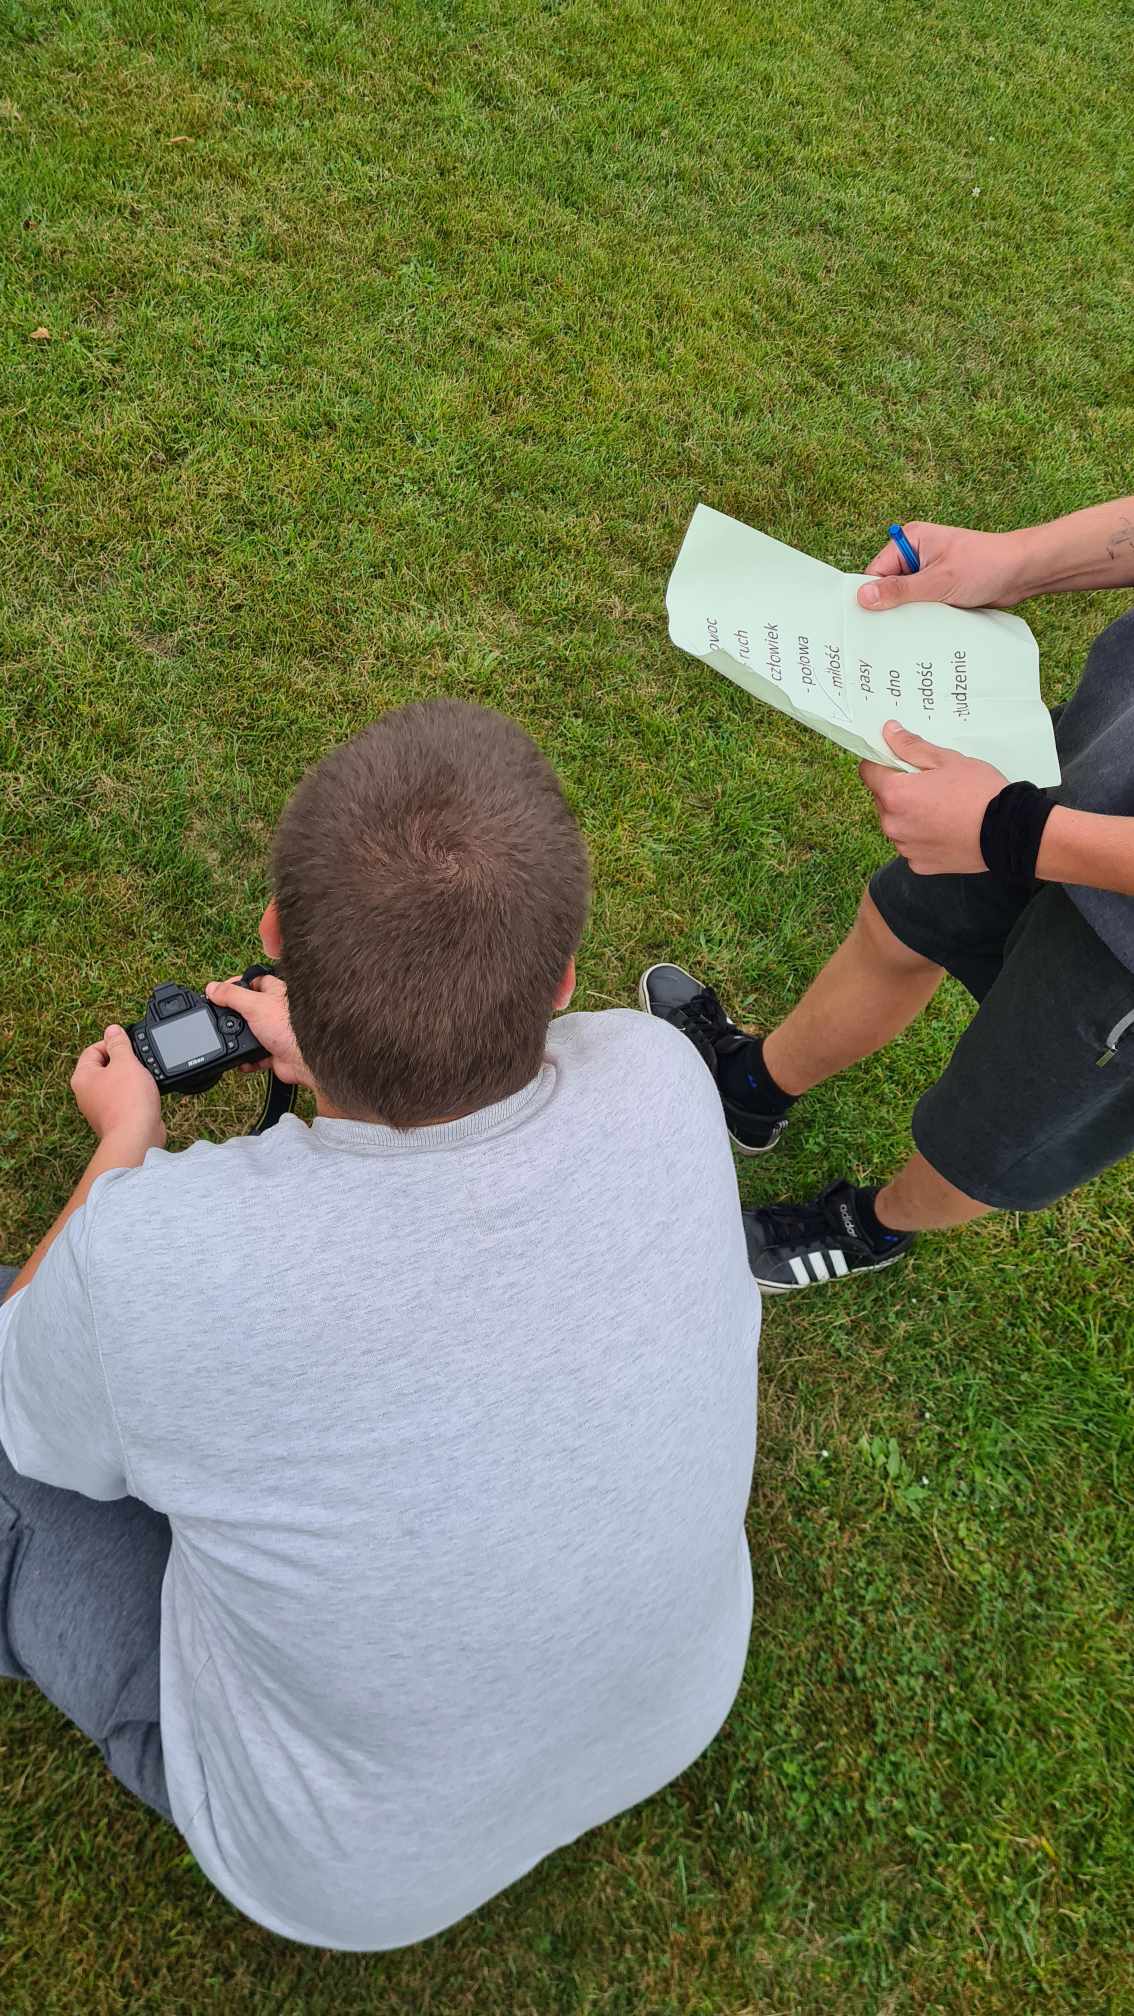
876, 1234
746, 1081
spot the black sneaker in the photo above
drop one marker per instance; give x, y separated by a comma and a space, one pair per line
797, 1245
674, 996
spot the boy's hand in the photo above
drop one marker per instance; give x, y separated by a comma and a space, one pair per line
971, 570
264, 1008
934, 817
116, 1095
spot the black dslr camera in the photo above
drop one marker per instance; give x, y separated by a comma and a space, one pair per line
187, 1043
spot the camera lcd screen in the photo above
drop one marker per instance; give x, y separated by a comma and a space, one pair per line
187, 1036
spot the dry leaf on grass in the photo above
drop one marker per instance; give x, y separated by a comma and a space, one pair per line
41, 336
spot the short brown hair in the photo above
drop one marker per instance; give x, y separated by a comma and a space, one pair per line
432, 887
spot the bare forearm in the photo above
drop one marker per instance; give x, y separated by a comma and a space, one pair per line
1088, 549
125, 1151
1091, 849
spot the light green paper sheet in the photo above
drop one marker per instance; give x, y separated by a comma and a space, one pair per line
789, 629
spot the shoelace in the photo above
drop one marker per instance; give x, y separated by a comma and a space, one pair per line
704, 1015
799, 1225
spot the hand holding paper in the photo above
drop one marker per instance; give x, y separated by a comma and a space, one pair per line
933, 817
789, 630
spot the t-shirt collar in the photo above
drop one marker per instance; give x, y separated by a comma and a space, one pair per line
372, 1138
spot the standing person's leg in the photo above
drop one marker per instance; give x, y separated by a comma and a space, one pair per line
909, 931
871, 989
920, 1199
868, 993
1021, 1116
80, 1614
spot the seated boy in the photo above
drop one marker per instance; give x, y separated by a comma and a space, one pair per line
413, 1445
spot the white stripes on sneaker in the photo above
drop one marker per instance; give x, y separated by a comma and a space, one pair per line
823, 1266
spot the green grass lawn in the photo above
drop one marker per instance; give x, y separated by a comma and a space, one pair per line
391, 348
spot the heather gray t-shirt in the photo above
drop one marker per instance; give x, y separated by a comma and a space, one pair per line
1095, 737
455, 1433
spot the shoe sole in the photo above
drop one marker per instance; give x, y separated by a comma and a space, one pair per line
852, 1274
741, 1147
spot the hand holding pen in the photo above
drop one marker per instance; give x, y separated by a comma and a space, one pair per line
945, 563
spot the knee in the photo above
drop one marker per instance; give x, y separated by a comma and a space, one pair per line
880, 945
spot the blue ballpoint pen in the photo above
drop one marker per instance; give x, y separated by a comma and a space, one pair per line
913, 564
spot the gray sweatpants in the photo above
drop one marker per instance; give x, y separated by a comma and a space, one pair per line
80, 1614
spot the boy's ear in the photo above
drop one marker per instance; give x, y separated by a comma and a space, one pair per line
271, 937
566, 988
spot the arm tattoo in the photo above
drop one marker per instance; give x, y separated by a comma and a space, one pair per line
1123, 535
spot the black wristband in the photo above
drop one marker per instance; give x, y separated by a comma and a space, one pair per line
1012, 829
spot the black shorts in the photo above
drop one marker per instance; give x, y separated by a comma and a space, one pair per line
1024, 1112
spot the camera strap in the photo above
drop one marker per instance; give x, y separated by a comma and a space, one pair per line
278, 1100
